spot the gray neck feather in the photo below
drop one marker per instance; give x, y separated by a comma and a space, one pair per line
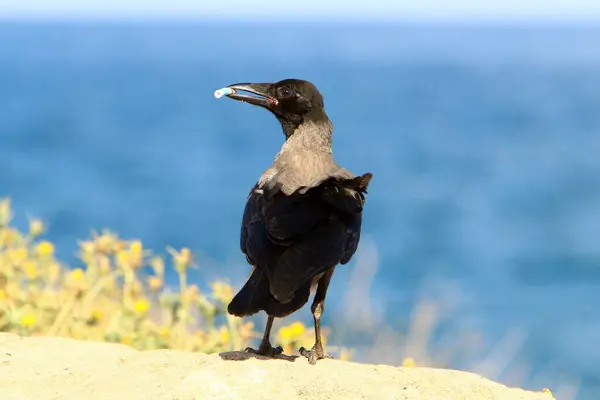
310, 136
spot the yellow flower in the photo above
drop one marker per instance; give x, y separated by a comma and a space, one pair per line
297, 328
30, 270
284, 333
133, 257
86, 251
292, 331
136, 248
3, 295
45, 248
77, 274
408, 362
164, 332
186, 255
123, 258
155, 282
141, 306
36, 227
224, 334
96, 314
27, 320
126, 339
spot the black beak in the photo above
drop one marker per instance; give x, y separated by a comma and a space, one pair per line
260, 90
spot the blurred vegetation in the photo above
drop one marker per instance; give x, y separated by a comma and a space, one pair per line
118, 294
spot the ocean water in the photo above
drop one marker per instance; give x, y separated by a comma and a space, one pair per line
484, 143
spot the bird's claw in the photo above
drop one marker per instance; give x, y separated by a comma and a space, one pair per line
266, 350
314, 354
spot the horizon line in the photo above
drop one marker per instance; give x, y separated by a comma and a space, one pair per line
303, 19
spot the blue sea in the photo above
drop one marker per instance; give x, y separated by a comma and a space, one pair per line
484, 142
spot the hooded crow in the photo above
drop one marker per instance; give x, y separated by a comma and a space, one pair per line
302, 218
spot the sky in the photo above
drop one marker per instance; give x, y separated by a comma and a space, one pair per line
554, 10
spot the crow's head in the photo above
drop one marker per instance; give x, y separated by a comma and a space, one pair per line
292, 101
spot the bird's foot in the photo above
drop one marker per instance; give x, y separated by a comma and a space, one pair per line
265, 349
314, 354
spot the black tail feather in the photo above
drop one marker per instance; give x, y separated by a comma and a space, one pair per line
280, 310
252, 297
255, 296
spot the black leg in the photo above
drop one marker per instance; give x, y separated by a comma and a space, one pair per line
317, 308
265, 348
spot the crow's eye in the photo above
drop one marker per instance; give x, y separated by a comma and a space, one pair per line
285, 92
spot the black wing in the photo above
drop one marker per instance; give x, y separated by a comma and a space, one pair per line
348, 195
295, 238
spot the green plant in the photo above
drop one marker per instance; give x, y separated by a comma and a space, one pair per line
114, 298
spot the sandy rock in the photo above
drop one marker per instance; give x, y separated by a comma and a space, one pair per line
45, 368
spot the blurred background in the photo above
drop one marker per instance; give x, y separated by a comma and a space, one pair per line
480, 121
